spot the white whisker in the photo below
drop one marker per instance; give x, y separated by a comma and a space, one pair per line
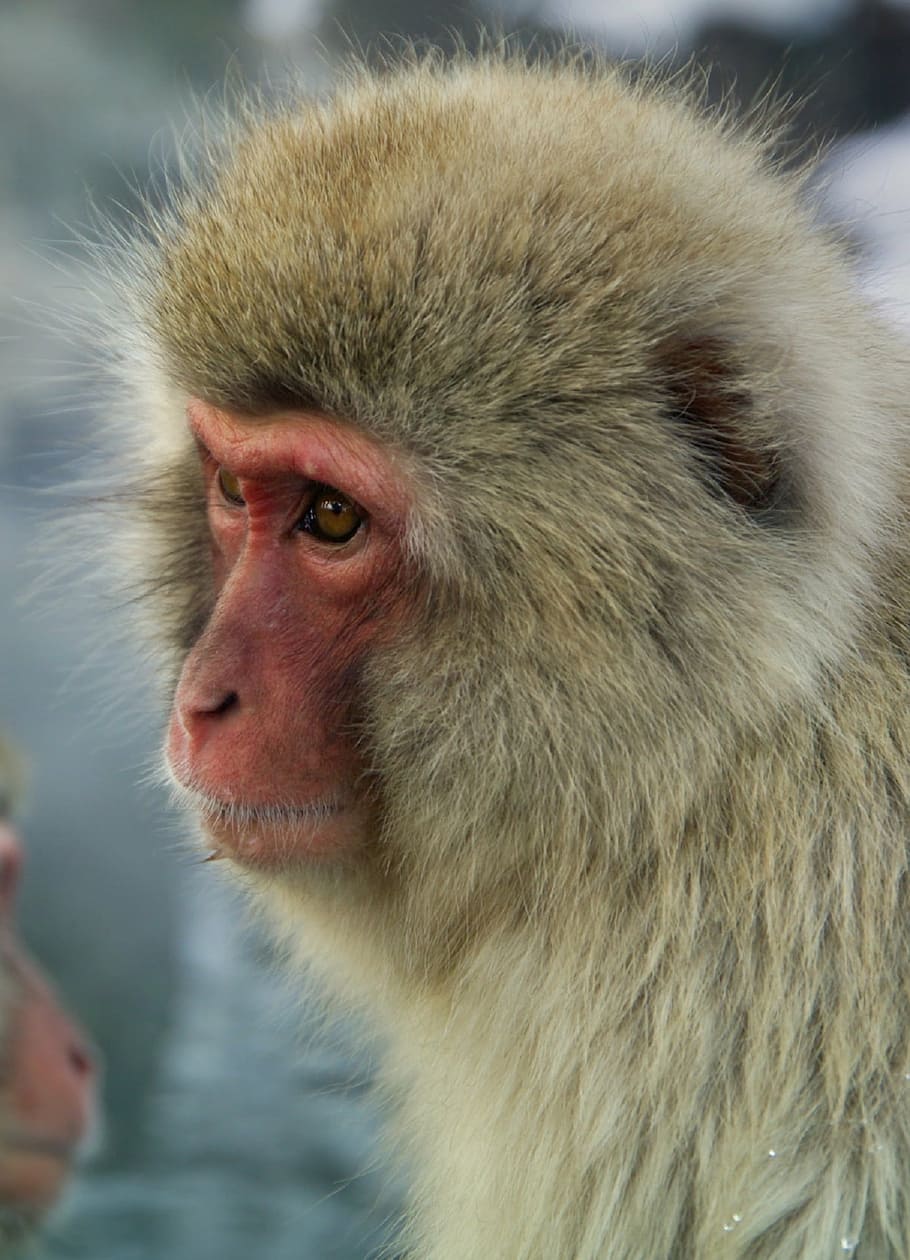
242, 815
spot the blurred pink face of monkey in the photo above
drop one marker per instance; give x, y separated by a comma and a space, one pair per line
47, 1076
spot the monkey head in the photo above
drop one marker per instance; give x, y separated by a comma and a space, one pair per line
496, 463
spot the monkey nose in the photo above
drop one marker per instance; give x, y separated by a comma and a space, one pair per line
195, 712
80, 1059
10, 866
198, 715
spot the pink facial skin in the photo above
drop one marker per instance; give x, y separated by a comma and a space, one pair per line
47, 1095
263, 729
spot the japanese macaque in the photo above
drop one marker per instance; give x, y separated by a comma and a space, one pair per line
46, 1069
519, 485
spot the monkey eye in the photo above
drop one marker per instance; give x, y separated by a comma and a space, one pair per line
331, 516
230, 488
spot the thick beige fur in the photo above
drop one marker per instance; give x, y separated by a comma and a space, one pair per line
636, 924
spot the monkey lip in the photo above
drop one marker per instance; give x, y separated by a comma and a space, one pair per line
59, 1149
33, 1170
273, 837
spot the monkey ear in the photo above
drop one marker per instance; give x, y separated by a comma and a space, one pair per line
709, 404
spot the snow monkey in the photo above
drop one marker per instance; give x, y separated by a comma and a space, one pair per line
518, 484
46, 1071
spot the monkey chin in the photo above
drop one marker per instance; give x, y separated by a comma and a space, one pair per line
33, 1171
276, 838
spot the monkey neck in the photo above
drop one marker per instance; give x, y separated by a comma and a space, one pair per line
735, 950
702, 868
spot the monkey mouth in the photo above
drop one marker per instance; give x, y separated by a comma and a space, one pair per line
270, 835
243, 814
238, 814
58, 1149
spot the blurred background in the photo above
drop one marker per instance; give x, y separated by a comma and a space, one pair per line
233, 1130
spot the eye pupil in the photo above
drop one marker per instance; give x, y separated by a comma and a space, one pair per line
229, 486
334, 516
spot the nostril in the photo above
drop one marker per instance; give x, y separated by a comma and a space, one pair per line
79, 1060
194, 715
10, 865
228, 703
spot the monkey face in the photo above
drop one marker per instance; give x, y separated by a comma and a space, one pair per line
305, 517
47, 1075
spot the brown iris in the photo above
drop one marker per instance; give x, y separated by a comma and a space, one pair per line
332, 516
229, 486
